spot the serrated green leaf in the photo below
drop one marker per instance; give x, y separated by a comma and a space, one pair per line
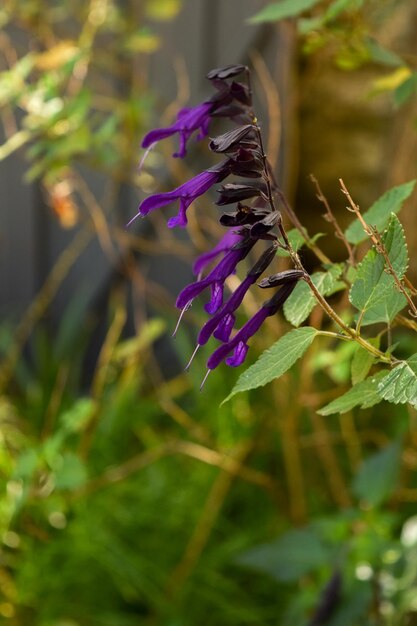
275, 361
290, 557
302, 301
378, 475
364, 394
374, 292
362, 362
400, 386
282, 10
379, 213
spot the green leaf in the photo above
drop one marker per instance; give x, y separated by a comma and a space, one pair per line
26, 464
297, 241
282, 10
374, 292
128, 349
339, 6
78, 416
12, 82
362, 361
400, 386
406, 90
275, 361
364, 394
353, 607
71, 474
16, 141
378, 475
379, 213
287, 559
302, 301
379, 54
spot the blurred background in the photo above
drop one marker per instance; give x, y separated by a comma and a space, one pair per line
129, 497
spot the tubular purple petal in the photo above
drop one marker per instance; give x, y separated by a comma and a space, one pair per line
232, 304
157, 135
157, 201
187, 193
225, 327
247, 331
225, 244
216, 299
239, 355
188, 120
181, 218
251, 327
190, 292
218, 274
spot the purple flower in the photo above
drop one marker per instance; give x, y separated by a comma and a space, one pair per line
188, 121
221, 324
185, 193
215, 279
225, 244
198, 118
239, 342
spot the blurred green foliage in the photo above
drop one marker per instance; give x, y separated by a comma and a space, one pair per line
131, 499
345, 28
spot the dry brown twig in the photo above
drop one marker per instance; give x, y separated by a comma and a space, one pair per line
375, 237
330, 217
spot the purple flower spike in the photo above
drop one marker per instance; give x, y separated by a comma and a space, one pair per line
185, 193
239, 342
188, 121
246, 332
222, 323
225, 244
216, 277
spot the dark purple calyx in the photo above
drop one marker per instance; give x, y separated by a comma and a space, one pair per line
228, 71
281, 278
232, 139
242, 217
234, 192
265, 224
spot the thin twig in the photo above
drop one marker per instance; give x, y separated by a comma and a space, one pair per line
274, 106
330, 217
375, 237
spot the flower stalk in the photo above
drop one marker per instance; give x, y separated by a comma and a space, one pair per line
256, 219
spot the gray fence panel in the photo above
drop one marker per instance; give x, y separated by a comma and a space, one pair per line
206, 33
